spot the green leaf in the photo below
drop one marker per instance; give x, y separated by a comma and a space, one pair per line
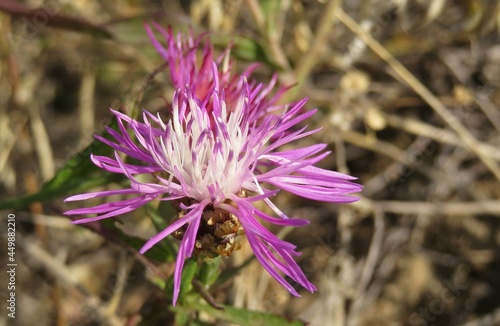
182, 317
157, 253
162, 215
270, 9
160, 223
80, 164
186, 292
186, 317
244, 48
188, 273
209, 271
77, 175
244, 317
73, 186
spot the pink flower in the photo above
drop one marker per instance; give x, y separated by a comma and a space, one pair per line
217, 155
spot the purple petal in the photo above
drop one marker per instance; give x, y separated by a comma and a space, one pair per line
315, 180
279, 221
317, 193
98, 194
155, 42
111, 165
103, 208
260, 253
189, 217
185, 251
138, 203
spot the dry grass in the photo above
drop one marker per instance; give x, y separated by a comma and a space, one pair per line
408, 93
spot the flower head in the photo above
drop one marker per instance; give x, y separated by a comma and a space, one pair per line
217, 155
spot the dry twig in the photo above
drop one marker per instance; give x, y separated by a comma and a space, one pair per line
420, 89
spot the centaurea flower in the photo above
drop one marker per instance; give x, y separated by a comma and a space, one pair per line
181, 55
217, 155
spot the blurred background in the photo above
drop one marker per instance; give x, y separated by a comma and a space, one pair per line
408, 96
